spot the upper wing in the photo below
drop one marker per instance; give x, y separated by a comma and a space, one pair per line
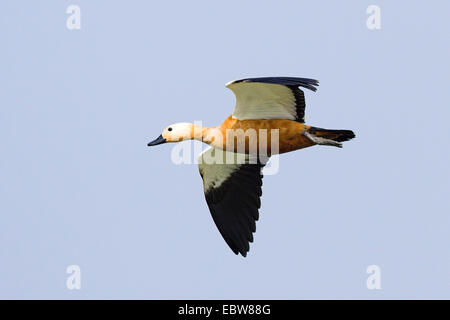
271, 97
232, 192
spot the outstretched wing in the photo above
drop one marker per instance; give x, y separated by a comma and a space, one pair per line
271, 97
232, 188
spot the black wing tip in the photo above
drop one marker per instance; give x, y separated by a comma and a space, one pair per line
308, 83
242, 253
238, 248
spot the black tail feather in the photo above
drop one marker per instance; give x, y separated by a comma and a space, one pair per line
336, 135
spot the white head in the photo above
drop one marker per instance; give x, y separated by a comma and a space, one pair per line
175, 133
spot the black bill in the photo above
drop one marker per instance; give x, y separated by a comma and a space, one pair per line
157, 141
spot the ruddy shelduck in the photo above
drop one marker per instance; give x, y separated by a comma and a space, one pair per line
272, 109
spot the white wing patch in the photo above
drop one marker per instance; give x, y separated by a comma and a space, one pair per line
256, 100
216, 166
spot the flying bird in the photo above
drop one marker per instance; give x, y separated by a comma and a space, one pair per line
264, 106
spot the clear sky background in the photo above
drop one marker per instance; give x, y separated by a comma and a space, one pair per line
79, 186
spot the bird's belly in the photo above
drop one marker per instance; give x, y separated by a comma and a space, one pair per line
263, 136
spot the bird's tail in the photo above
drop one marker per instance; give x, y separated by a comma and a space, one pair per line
336, 135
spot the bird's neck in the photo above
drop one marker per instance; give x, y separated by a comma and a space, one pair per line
206, 135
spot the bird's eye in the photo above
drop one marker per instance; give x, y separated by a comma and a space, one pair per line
170, 129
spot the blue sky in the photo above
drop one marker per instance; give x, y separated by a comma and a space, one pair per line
80, 187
